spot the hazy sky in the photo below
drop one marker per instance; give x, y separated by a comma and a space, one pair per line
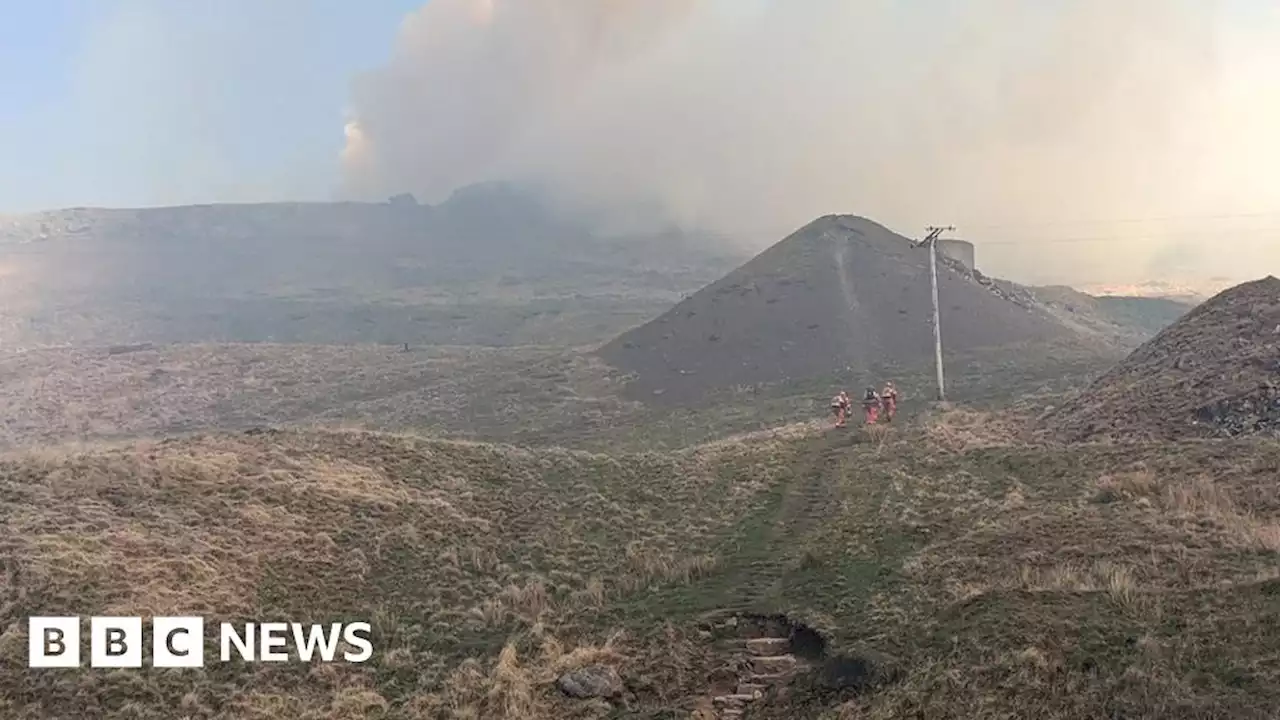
1029, 122
154, 102
1020, 121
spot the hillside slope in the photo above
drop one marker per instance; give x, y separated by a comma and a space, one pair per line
842, 292
447, 548
979, 580
525, 395
1139, 318
492, 265
1148, 314
1215, 371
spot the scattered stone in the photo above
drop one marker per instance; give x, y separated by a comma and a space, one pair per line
733, 700
772, 678
755, 690
773, 664
723, 679
1255, 413
593, 681
768, 646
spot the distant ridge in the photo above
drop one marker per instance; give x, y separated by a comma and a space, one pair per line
494, 264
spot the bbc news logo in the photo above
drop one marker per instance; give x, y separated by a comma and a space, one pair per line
179, 642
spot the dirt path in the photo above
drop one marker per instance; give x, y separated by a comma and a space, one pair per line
764, 549
761, 568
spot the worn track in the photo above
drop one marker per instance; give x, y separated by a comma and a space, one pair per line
809, 496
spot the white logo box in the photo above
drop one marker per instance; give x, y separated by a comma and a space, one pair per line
179, 642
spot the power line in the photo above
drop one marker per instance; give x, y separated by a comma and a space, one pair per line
1232, 235
1224, 234
1126, 221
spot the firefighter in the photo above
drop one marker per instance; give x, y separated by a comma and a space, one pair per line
871, 404
889, 401
840, 407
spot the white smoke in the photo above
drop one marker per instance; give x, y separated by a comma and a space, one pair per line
743, 117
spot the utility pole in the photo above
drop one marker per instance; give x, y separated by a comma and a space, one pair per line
931, 240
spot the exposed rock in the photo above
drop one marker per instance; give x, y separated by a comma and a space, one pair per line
1255, 413
593, 681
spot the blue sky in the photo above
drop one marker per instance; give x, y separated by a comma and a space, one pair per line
153, 102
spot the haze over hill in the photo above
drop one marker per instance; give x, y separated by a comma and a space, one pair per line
493, 265
1196, 293
842, 294
1139, 134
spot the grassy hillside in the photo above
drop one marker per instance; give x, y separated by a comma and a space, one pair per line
1149, 314
449, 549
527, 395
989, 580
1142, 317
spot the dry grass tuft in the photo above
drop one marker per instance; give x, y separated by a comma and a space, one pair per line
1198, 500
1200, 497
646, 566
1116, 581
445, 547
1127, 486
958, 429
513, 689
877, 435
529, 601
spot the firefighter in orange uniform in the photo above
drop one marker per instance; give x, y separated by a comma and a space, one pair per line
840, 407
889, 399
871, 405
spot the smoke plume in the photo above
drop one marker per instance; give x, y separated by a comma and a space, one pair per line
1072, 140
